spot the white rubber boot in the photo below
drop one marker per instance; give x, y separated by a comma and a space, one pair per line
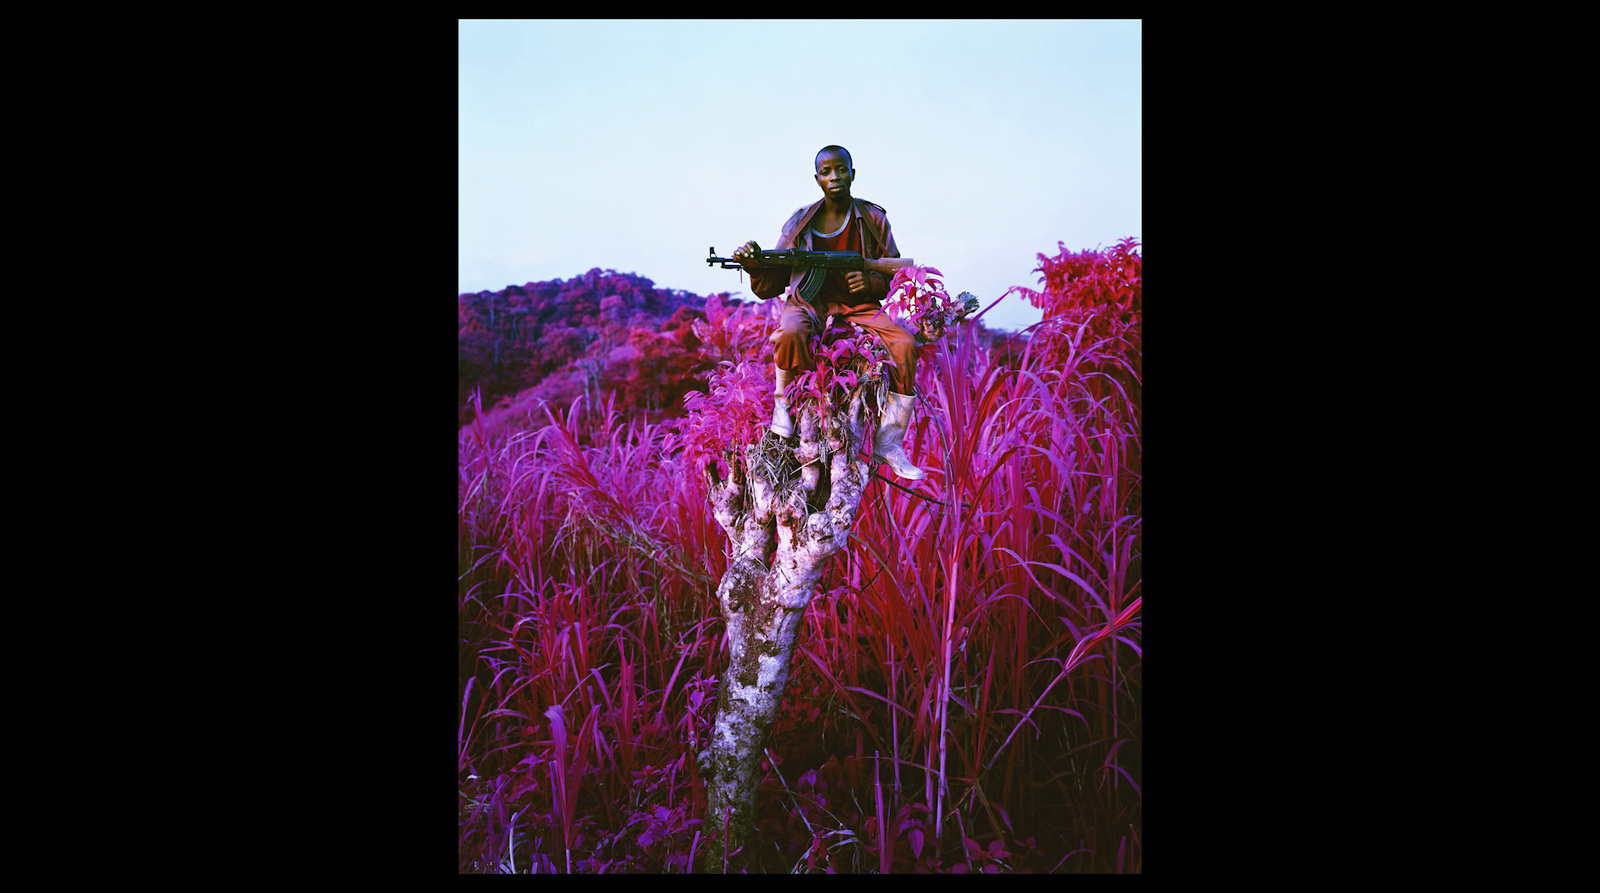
886, 447
782, 425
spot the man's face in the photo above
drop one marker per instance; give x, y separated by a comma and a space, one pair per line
834, 175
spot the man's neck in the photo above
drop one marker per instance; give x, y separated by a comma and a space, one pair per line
836, 207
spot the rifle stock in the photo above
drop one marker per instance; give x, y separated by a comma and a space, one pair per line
886, 265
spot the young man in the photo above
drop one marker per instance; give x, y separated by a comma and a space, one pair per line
839, 222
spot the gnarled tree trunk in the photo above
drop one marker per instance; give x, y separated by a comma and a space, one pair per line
787, 510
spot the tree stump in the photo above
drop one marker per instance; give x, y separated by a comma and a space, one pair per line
787, 509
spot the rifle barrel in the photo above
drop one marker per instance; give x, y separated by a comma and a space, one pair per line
796, 257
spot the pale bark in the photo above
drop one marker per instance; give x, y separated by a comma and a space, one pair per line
787, 511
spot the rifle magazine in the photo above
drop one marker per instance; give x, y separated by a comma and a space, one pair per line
811, 285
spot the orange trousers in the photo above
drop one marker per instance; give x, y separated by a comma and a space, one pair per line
799, 321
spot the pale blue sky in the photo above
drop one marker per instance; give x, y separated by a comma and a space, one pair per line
635, 145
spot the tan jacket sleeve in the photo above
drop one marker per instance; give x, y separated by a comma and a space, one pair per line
770, 282
878, 283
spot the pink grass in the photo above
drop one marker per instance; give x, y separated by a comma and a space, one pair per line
967, 692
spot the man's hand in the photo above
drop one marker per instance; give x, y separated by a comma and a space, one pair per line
744, 255
857, 282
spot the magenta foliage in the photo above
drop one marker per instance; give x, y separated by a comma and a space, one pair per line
734, 412
966, 692
737, 404
842, 362
732, 332
603, 330
1090, 278
915, 293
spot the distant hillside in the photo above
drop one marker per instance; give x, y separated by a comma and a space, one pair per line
601, 330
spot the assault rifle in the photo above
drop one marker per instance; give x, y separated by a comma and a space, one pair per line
817, 265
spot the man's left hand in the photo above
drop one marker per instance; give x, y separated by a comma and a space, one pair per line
857, 282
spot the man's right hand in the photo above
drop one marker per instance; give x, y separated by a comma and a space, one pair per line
745, 255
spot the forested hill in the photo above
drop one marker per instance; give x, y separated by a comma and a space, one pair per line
598, 333
603, 329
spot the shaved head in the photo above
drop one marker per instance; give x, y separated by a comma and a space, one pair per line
848, 161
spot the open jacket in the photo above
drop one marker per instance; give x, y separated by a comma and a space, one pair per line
872, 226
